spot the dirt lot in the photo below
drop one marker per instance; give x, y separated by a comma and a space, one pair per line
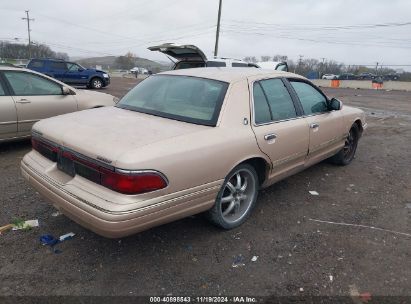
296, 255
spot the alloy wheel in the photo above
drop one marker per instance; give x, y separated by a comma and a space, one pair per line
238, 195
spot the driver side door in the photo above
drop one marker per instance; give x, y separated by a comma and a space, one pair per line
75, 74
36, 98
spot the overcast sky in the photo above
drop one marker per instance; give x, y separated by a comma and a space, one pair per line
350, 31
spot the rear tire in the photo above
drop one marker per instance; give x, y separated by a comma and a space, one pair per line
96, 83
347, 153
236, 199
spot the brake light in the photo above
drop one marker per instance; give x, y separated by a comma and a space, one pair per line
132, 183
126, 182
47, 150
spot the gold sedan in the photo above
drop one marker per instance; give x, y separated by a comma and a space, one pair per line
184, 142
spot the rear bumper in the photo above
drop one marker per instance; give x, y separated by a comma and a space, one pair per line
106, 218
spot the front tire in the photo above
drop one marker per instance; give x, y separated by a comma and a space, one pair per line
96, 83
236, 199
347, 153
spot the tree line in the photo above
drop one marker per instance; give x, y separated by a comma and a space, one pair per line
21, 51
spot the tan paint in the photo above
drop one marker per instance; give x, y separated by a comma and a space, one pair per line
194, 158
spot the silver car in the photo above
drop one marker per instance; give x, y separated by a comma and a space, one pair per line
27, 97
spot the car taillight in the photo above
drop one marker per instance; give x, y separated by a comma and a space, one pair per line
126, 182
132, 183
47, 150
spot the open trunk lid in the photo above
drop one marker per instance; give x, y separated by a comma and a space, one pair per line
180, 52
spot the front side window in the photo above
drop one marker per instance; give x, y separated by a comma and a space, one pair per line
311, 99
73, 67
26, 84
189, 99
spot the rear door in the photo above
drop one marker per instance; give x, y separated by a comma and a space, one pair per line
8, 113
57, 69
326, 127
37, 97
281, 131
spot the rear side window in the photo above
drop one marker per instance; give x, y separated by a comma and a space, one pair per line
215, 64
27, 84
278, 99
36, 64
58, 65
311, 100
2, 92
188, 65
262, 113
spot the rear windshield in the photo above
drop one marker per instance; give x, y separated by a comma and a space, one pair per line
184, 98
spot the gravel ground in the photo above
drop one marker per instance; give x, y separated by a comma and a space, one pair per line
296, 254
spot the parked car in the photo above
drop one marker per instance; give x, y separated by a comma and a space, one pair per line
329, 76
347, 76
70, 72
184, 142
273, 65
190, 56
27, 96
388, 77
366, 76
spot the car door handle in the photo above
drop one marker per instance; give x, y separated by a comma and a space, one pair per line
23, 100
270, 136
314, 125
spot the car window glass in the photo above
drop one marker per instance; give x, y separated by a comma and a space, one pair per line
58, 65
2, 92
184, 98
239, 64
37, 64
215, 64
30, 84
311, 100
261, 110
188, 65
72, 67
282, 67
280, 101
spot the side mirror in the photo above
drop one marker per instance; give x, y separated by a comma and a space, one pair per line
335, 104
80, 70
67, 91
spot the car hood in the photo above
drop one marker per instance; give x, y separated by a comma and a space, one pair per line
110, 132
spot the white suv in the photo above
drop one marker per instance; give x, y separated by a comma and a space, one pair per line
190, 56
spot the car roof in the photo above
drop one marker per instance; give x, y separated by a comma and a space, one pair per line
3, 67
230, 74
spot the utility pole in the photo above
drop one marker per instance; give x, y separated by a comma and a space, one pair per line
322, 68
28, 29
376, 68
217, 34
